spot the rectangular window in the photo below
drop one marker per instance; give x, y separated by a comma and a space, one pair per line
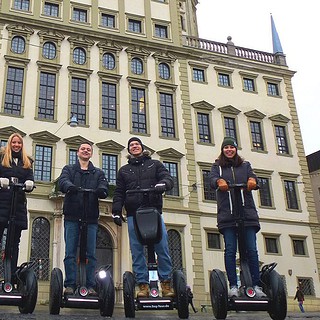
264, 192
167, 115
291, 195
22, 5
214, 240
51, 9
281, 138
110, 167
204, 128
224, 79
72, 156
248, 84
271, 245
78, 99
299, 247
172, 167
209, 193
256, 135
273, 89
3, 143
161, 31
230, 127
108, 20
134, 26
47, 95
139, 119
13, 99
80, 15
43, 163
109, 106
198, 75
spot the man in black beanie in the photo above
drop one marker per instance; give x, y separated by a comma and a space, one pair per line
143, 172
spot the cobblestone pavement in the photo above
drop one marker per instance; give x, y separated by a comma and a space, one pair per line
42, 313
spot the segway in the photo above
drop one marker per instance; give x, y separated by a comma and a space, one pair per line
148, 228
275, 302
20, 289
81, 298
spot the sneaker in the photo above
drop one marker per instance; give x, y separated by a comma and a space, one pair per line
259, 292
233, 292
167, 291
68, 291
143, 290
92, 292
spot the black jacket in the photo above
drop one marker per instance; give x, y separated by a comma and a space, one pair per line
142, 172
22, 174
239, 174
93, 178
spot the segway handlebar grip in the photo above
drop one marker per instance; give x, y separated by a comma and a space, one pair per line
145, 190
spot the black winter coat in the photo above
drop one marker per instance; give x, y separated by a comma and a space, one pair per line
239, 174
22, 174
93, 178
142, 172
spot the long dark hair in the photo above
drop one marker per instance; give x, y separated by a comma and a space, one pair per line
236, 161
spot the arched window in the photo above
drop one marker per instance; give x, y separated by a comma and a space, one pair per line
18, 44
136, 66
174, 241
164, 71
79, 56
108, 61
40, 247
49, 50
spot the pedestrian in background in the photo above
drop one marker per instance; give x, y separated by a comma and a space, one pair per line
300, 297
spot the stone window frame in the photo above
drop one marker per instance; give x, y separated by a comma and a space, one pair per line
85, 43
204, 166
276, 236
51, 36
138, 18
267, 174
167, 58
83, 7
164, 24
199, 66
56, 2
292, 177
227, 71
302, 238
214, 231
275, 81
109, 12
141, 53
251, 76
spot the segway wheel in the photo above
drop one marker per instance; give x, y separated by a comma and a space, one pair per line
128, 295
106, 295
218, 294
277, 307
56, 288
181, 295
29, 289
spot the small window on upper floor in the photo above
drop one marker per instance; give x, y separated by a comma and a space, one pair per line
264, 192
161, 31
214, 240
299, 246
49, 50
22, 5
108, 61
249, 84
224, 80
198, 75
272, 244
80, 15
134, 26
18, 44
291, 195
256, 135
108, 20
164, 71
79, 56
281, 138
136, 66
51, 9
273, 89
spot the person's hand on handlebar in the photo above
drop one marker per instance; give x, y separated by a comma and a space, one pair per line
29, 185
101, 193
72, 189
222, 185
160, 188
4, 183
118, 218
251, 184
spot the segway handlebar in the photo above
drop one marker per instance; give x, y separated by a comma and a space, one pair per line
86, 190
145, 190
239, 186
14, 184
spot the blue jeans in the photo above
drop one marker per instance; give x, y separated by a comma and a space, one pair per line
71, 238
301, 306
139, 263
230, 241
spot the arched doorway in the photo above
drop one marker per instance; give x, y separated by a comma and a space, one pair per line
104, 249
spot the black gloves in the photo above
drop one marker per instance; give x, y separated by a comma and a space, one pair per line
101, 193
160, 187
118, 218
72, 189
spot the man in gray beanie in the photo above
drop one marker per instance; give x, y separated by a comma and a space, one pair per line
143, 172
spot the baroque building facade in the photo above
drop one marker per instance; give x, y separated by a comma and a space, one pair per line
126, 68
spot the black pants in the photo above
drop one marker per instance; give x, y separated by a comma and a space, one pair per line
15, 246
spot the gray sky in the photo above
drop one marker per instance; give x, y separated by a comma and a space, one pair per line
298, 26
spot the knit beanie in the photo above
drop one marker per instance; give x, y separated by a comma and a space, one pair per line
229, 141
135, 139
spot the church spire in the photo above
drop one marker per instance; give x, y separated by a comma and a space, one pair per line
277, 48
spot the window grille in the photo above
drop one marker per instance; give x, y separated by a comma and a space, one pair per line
104, 248
306, 285
174, 243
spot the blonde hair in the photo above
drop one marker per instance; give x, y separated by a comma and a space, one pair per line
7, 153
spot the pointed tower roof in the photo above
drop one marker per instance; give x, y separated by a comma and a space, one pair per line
277, 48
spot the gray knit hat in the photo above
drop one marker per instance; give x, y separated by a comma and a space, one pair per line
229, 141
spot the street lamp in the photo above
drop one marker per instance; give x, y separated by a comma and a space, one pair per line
72, 122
